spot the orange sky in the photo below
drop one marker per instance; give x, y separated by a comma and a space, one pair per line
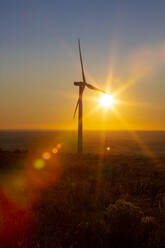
122, 53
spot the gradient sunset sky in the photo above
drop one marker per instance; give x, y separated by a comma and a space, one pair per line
123, 45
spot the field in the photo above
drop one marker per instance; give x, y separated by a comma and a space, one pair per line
82, 201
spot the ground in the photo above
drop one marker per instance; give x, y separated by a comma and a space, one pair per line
82, 201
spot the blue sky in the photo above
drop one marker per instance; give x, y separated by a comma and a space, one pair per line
39, 59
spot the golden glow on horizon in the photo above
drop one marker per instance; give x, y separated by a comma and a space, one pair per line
126, 77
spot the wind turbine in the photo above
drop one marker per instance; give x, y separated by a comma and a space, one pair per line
79, 104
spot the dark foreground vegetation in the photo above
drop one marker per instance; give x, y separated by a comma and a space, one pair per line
88, 201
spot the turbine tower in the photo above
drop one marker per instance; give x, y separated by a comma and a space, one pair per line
79, 105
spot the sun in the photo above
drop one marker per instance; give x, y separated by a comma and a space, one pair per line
107, 101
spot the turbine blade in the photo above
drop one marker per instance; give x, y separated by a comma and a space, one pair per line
94, 88
78, 102
76, 109
81, 61
83, 89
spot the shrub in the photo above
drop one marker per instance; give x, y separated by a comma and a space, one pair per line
124, 224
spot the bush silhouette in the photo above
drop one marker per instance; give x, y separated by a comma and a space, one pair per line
124, 224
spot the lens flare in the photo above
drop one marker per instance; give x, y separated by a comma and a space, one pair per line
59, 146
107, 101
108, 148
54, 150
39, 164
46, 155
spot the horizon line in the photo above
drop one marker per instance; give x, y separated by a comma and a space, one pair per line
94, 130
